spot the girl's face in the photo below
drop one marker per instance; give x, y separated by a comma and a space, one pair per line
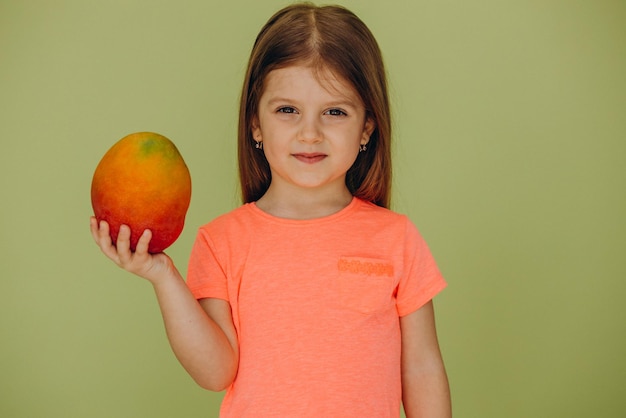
311, 128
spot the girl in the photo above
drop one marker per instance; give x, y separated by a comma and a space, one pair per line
311, 299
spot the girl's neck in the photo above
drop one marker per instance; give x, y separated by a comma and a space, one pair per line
303, 204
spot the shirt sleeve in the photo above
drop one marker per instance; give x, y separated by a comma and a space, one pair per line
206, 277
421, 279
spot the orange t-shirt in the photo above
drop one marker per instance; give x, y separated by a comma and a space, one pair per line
316, 305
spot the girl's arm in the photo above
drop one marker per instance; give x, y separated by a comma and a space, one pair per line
202, 335
425, 390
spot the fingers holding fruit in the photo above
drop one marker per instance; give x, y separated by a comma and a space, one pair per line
140, 262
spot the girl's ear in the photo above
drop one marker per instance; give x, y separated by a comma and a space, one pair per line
368, 129
256, 129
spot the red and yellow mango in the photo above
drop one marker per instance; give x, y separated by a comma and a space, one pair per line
143, 182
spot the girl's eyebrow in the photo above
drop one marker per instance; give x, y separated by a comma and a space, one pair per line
282, 100
331, 103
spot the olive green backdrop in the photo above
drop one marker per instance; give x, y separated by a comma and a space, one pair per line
510, 123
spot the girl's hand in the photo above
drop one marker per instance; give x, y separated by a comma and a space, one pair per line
153, 267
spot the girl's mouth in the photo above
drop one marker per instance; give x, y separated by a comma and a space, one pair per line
309, 158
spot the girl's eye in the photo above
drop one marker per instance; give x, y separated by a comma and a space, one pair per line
286, 109
336, 112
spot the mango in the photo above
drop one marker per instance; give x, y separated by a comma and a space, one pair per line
142, 181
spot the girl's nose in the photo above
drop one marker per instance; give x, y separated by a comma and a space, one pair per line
310, 130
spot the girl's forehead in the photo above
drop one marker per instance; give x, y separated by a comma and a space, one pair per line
295, 76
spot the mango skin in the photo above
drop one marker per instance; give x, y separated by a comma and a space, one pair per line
142, 181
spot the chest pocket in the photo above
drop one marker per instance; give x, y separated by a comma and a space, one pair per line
365, 284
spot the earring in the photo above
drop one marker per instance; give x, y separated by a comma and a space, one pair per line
362, 147
259, 145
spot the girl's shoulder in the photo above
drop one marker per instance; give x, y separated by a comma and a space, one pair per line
381, 214
233, 219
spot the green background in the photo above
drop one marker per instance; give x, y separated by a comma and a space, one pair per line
510, 129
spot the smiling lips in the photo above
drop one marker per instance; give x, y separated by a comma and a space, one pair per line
309, 158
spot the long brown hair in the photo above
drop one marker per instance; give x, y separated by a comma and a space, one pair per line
327, 37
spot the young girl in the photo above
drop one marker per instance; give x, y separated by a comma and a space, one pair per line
312, 299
